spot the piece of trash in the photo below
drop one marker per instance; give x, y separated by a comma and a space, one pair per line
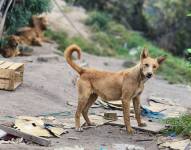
165, 106
38, 127
150, 114
31, 125
56, 131
127, 147
28, 137
110, 116
176, 144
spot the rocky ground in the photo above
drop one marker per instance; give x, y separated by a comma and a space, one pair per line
48, 86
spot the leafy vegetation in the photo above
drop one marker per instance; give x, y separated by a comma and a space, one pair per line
180, 125
21, 13
88, 46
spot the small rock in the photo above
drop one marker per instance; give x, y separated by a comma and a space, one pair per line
48, 58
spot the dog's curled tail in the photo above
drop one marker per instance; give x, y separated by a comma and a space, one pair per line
68, 55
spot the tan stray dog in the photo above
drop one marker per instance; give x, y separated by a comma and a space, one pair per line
34, 35
11, 49
126, 85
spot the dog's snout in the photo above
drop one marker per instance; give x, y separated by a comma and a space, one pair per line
149, 75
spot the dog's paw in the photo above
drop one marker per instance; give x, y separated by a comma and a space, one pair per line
79, 129
130, 130
143, 124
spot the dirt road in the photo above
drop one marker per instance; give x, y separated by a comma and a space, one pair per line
48, 86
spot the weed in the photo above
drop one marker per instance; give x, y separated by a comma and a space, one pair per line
180, 125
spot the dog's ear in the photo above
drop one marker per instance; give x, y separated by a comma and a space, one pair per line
144, 53
161, 59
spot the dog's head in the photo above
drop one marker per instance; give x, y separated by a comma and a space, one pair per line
14, 41
149, 65
40, 22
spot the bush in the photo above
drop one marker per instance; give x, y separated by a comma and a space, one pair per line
21, 13
99, 21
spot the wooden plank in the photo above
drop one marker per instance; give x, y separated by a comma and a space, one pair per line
6, 65
15, 66
152, 127
17, 133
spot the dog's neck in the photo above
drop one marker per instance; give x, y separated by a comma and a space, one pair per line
139, 76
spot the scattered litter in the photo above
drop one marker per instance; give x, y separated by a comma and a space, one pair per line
152, 127
28, 137
110, 116
127, 147
38, 127
176, 144
163, 108
70, 148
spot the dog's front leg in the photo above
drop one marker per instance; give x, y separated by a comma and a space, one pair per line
137, 108
126, 114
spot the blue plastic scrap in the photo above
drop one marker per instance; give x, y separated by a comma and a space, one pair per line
150, 114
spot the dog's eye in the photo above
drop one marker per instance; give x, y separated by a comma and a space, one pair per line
147, 65
154, 66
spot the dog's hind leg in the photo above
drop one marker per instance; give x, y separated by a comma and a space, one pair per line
137, 108
90, 102
84, 91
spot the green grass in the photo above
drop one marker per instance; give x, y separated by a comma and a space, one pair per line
88, 46
110, 38
180, 125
